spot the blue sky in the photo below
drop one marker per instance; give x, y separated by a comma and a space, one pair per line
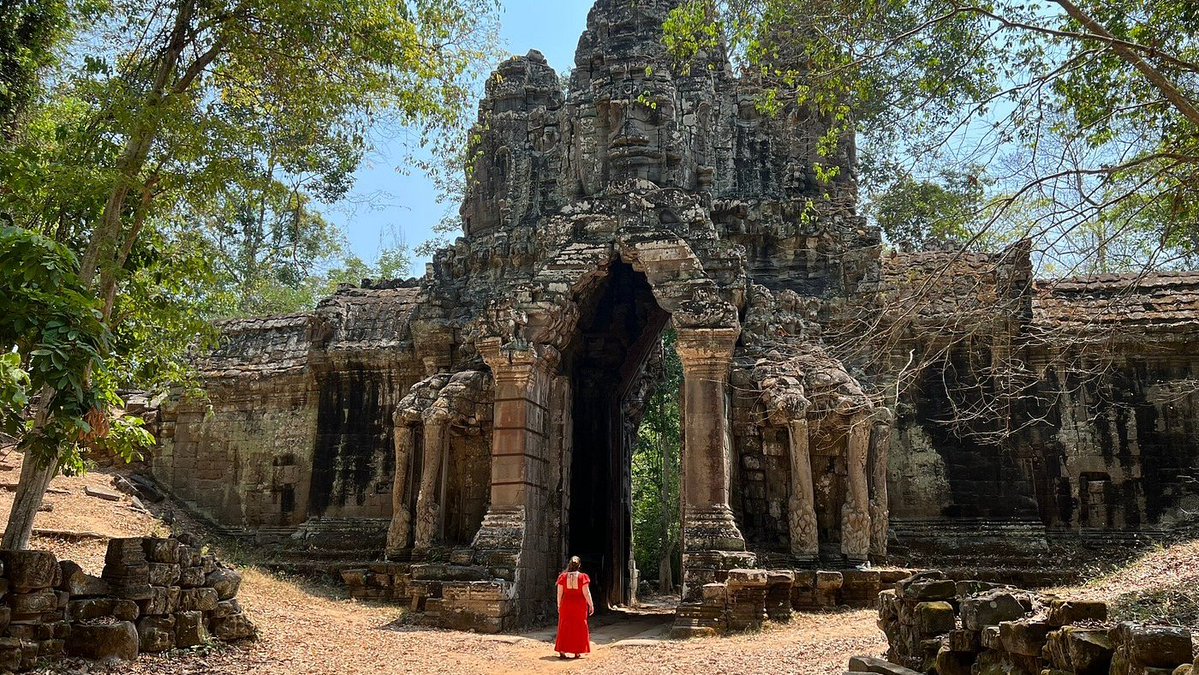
393, 205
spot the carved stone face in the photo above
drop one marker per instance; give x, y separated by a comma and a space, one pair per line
634, 148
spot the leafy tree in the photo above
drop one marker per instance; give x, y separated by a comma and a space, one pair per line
58, 341
176, 111
1075, 106
919, 215
29, 30
656, 457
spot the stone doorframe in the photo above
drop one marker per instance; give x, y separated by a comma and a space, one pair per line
524, 359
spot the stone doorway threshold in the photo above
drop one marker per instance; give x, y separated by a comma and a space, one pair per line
619, 627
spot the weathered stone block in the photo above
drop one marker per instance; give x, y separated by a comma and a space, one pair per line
1066, 612
124, 552
990, 609
235, 627
944, 589
968, 588
1151, 646
28, 571
1090, 650
954, 663
161, 601
198, 600
226, 608
226, 582
161, 550
935, 618
127, 575
965, 641
163, 574
104, 642
156, 633
10, 654
78, 583
871, 664
191, 577
190, 629
96, 608
33, 602
1025, 637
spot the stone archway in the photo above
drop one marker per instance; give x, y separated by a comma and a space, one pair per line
531, 332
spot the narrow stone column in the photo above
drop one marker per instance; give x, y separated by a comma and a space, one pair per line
801, 509
400, 532
708, 523
428, 500
880, 445
855, 514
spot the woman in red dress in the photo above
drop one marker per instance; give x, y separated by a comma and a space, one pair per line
574, 606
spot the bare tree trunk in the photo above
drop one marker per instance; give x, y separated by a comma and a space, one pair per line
35, 478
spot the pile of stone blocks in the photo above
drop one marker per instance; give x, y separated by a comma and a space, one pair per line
934, 624
745, 598
183, 596
154, 594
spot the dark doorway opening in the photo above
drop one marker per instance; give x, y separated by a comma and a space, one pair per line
620, 325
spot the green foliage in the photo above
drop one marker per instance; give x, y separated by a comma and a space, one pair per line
178, 153
58, 340
14, 393
656, 463
29, 30
1086, 112
918, 215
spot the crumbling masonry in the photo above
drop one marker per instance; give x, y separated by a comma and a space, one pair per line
475, 425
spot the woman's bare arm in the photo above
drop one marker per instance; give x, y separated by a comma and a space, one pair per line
586, 594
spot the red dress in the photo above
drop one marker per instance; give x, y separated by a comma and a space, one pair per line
573, 636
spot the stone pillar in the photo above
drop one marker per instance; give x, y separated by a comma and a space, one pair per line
428, 500
801, 508
708, 523
513, 538
855, 514
880, 446
400, 532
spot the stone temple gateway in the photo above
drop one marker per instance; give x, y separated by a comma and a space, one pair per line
475, 426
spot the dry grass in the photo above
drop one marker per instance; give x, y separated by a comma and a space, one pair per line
1160, 586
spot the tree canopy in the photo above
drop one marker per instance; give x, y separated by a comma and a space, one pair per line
1083, 112
174, 155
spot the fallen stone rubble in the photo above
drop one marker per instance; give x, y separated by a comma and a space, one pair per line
937, 625
154, 595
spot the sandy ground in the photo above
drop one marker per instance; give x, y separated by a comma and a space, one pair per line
311, 628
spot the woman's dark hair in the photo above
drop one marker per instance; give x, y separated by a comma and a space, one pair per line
574, 564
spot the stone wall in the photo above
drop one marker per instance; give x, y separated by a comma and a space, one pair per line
934, 624
153, 595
